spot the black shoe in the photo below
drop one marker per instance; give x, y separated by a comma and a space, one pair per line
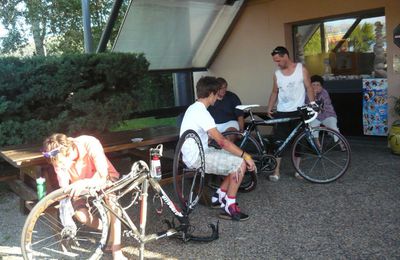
234, 214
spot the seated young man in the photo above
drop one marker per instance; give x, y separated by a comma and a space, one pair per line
224, 112
80, 164
230, 161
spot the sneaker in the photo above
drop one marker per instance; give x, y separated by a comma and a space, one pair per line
216, 204
234, 213
274, 177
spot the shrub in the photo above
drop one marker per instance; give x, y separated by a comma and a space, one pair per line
73, 94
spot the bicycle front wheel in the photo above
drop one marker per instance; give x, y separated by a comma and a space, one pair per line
44, 236
189, 170
321, 155
248, 144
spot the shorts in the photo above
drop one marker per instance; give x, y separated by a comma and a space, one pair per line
224, 126
282, 130
221, 162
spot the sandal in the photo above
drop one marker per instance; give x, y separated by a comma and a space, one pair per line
298, 176
274, 177
111, 248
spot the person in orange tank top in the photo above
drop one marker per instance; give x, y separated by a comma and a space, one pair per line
80, 164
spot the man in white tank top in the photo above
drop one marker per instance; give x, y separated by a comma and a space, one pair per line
291, 84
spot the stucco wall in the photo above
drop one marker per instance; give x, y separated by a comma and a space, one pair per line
245, 60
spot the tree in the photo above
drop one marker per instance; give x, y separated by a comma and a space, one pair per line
362, 38
55, 25
313, 46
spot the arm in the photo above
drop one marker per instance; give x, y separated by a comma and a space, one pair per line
307, 84
241, 123
99, 178
273, 97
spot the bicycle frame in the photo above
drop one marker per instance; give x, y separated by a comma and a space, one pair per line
302, 125
140, 183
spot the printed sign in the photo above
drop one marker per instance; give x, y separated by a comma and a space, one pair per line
375, 107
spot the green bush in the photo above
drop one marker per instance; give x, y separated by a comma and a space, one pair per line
73, 94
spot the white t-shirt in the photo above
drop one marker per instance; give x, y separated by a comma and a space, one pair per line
292, 91
196, 118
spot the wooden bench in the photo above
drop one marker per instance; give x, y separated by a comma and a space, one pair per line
31, 163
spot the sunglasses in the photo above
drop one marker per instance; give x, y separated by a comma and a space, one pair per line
279, 51
52, 153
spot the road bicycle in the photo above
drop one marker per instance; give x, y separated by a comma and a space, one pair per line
324, 153
44, 235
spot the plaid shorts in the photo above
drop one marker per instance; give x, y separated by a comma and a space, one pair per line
221, 162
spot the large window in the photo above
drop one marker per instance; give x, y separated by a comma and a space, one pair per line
350, 47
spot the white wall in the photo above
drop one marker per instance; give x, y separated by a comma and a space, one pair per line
245, 59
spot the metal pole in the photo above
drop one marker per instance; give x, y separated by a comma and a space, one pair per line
87, 32
105, 37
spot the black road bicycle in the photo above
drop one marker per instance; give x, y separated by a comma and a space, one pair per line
324, 153
44, 235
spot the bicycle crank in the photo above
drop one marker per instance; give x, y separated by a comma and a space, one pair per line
268, 163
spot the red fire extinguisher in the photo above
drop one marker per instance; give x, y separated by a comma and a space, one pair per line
155, 163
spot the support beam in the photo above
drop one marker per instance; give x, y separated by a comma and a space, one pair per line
87, 32
105, 36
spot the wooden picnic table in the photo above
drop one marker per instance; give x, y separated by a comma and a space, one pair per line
31, 163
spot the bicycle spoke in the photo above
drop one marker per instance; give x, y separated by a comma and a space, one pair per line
329, 164
44, 237
188, 170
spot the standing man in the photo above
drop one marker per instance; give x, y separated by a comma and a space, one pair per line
291, 83
224, 112
230, 161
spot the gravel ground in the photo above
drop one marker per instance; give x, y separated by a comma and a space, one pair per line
356, 217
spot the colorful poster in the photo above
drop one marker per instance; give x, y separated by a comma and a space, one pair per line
375, 107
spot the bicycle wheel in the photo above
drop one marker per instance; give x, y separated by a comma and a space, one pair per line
44, 236
321, 159
250, 146
189, 170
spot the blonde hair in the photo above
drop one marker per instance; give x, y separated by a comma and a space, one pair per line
55, 141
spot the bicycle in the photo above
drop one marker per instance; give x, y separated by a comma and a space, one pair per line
325, 154
45, 235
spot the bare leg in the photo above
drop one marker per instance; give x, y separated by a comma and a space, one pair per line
297, 163
233, 184
276, 175
231, 138
115, 233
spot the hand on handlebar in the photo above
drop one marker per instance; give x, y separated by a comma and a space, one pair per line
314, 105
270, 113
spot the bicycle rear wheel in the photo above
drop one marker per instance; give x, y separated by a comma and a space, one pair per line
250, 146
189, 170
44, 236
322, 159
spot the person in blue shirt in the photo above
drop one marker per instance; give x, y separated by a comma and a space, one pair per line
224, 112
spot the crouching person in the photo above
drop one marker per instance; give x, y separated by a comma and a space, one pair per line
80, 164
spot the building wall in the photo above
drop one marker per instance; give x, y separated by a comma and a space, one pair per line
245, 59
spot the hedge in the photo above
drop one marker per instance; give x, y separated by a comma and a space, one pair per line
75, 94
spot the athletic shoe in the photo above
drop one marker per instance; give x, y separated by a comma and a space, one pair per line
234, 213
216, 204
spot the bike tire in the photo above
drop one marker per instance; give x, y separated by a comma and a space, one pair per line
325, 164
189, 179
44, 237
252, 147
